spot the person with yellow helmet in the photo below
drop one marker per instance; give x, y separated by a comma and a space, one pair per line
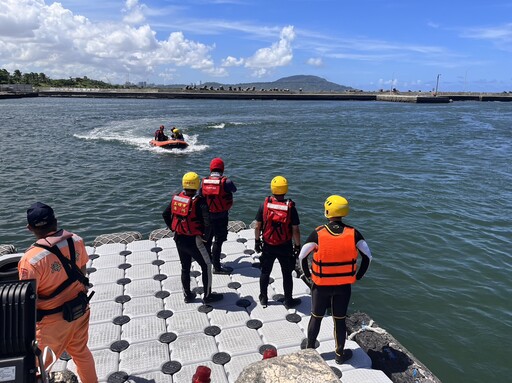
276, 229
188, 217
176, 134
335, 248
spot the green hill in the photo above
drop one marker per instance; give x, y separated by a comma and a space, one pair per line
293, 83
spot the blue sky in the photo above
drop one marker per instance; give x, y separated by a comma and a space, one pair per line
365, 44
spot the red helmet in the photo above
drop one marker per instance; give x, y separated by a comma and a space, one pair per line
217, 164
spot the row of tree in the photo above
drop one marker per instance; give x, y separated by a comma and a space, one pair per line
42, 80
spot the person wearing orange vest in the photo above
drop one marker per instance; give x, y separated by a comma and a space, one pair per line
218, 191
57, 261
188, 217
277, 224
333, 270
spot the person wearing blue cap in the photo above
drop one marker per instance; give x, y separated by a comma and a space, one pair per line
57, 262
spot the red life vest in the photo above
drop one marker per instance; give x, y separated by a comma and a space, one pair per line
334, 263
277, 216
218, 200
184, 215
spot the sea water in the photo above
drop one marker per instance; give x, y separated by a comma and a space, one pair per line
430, 188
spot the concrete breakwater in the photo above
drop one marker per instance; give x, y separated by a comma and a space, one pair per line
409, 97
6, 95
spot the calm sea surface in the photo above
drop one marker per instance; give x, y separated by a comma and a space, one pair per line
430, 188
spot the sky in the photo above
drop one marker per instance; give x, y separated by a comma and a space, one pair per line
365, 44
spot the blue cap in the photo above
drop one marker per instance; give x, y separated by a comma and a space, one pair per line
40, 215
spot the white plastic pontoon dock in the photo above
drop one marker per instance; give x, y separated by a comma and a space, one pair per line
142, 331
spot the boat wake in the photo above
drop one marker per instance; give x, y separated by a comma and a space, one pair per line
137, 137
217, 126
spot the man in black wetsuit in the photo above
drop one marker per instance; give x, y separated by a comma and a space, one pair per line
335, 249
277, 236
218, 191
160, 135
187, 216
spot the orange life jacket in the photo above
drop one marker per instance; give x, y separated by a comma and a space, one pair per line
217, 198
334, 263
184, 215
277, 215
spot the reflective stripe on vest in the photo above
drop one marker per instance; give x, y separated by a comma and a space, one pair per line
277, 228
184, 215
334, 263
218, 200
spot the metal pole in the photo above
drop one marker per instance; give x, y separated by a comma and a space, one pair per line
437, 84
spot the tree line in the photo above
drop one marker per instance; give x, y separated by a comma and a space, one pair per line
42, 80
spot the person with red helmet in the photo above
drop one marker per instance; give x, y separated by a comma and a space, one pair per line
160, 135
277, 236
218, 191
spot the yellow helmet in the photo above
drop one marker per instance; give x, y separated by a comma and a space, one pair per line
176, 130
279, 185
191, 181
336, 206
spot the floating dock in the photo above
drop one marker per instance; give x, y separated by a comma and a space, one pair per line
142, 331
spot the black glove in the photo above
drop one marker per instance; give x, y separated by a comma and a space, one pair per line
258, 247
306, 280
296, 250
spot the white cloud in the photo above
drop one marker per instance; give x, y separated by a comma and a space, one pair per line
51, 39
501, 36
232, 61
14, 23
134, 12
315, 61
278, 54
393, 82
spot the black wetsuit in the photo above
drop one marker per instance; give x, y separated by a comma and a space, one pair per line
160, 136
219, 226
193, 248
283, 253
336, 297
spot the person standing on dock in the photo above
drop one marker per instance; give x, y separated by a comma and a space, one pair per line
57, 261
160, 135
188, 217
277, 224
218, 191
335, 248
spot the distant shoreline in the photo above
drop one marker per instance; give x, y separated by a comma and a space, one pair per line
410, 97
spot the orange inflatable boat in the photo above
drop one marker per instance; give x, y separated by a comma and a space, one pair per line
169, 144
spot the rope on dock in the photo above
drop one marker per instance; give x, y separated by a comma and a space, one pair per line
157, 234
7, 249
368, 327
124, 237
236, 226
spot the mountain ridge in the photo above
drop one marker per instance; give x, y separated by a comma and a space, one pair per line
297, 83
